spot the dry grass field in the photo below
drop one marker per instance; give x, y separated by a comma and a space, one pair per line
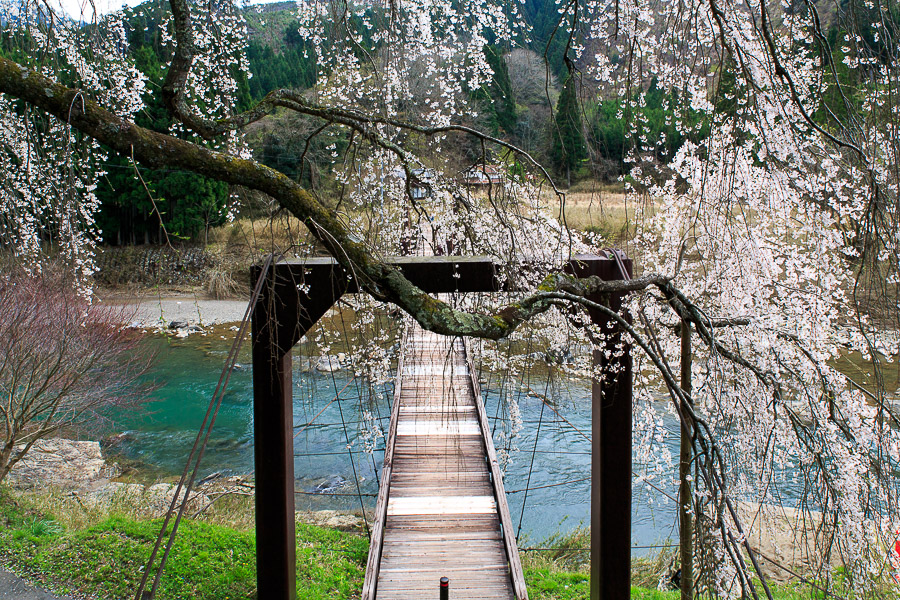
589, 207
610, 213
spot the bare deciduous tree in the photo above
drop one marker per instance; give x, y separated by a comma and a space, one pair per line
65, 363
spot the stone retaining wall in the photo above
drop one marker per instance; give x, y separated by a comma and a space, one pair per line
152, 265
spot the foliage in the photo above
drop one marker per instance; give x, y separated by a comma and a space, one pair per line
567, 137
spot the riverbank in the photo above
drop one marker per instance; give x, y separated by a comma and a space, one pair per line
179, 312
80, 532
103, 558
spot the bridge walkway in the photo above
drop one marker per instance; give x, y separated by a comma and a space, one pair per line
441, 509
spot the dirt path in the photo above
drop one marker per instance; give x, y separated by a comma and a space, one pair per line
13, 587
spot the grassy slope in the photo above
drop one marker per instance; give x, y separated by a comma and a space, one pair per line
104, 560
208, 561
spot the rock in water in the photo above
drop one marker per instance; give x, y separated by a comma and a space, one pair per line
328, 364
329, 485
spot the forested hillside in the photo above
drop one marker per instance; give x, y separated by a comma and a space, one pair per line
522, 105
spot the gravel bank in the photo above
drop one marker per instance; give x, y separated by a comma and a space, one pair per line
157, 312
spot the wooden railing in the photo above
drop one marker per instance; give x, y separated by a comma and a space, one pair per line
509, 539
376, 542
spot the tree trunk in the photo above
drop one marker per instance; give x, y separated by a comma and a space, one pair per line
5, 455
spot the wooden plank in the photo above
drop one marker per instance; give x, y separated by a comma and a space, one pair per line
454, 538
441, 505
438, 554
453, 428
501, 569
512, 550
375, 543
439, 490
445, 371
442, 410
441, 557
487, 520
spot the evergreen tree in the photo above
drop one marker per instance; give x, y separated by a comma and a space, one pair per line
568, 149
609, 134
504, 104
293, 66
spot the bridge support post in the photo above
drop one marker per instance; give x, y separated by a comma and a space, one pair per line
611, 399
273, 425
280, 318
297, 294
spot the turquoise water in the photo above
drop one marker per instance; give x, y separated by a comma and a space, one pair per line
159, 440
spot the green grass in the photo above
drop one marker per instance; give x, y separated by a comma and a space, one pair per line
645, 594
207, 561
104, 560
545, 584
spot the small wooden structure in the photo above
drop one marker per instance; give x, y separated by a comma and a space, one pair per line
296, 294
420, 181
481, 176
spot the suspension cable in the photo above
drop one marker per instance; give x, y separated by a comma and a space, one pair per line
537, 436
199, 447
352, 461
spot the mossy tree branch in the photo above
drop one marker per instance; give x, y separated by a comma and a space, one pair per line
382, 281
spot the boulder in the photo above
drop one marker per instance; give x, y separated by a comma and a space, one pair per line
331, 518
112, 493
62, 463
158, 498
155, 499
328, 364
329, 484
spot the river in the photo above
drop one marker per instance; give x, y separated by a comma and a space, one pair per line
158, 440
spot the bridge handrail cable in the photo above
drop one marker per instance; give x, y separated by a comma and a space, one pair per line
509, 539
373, 564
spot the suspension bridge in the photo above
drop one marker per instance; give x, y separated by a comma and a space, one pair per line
441, 509
413, 523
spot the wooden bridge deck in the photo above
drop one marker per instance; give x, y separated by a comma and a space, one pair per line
441, 507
